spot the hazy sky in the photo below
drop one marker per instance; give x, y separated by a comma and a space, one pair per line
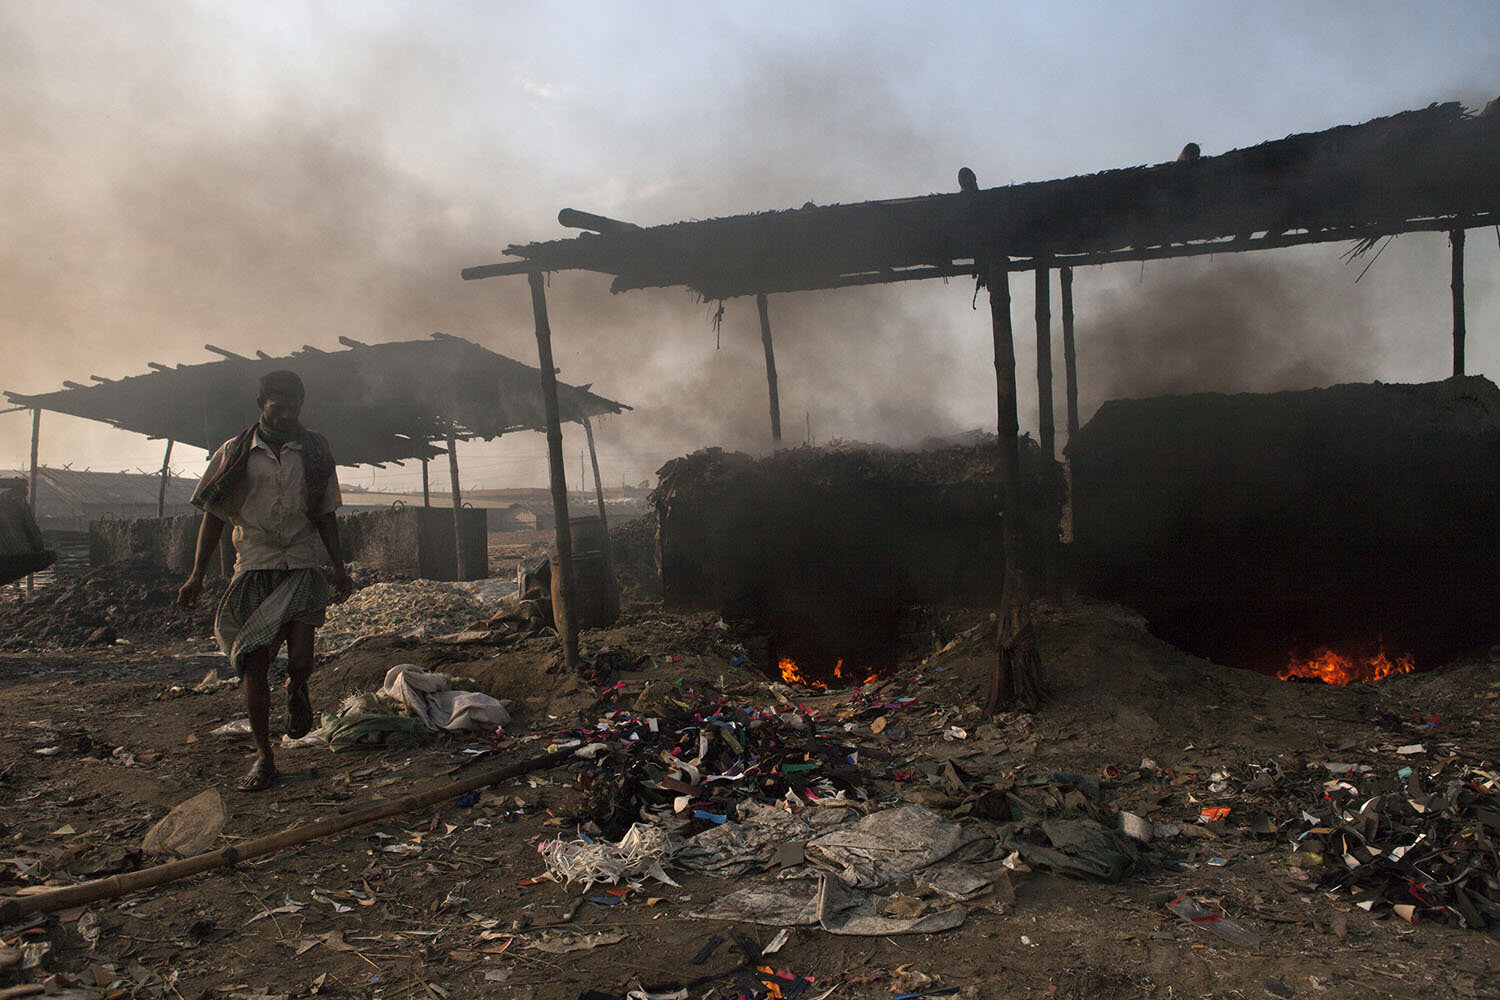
272, 174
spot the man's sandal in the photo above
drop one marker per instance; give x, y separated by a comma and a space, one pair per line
261, 777
299, 713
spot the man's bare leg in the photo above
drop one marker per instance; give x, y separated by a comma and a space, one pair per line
253, 679
299, 667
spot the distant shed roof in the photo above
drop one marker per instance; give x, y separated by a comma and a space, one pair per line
375, 402
1436, 168
66, 491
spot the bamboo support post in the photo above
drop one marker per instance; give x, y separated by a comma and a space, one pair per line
161, 489
459, 562
1016, 681
1047, 432
588, 431
566, 616
1456, 235
36, 440
13, 908
765, 341
426, 486
226, 564
1070, 360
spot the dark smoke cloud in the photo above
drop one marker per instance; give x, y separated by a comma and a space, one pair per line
153, 210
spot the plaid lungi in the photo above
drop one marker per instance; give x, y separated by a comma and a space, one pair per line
258, 605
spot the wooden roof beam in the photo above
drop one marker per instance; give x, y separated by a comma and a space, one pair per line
225, 354
574, 219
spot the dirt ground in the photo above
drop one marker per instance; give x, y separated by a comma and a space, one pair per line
101, 741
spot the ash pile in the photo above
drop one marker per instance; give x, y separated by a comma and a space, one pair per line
133, 600
1248, 527
823, 547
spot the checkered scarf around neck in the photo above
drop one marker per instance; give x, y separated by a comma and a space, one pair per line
219, 483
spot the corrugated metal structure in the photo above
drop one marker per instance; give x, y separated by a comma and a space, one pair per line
68, 499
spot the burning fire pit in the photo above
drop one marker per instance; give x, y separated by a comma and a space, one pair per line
823, 548
1341, 671
1243, 526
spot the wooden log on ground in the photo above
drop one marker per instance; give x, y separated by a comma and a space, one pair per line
15, 907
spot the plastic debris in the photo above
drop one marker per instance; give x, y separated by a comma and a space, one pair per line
1193, 912
641, 852
190, 828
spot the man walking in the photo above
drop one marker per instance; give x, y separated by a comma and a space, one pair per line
275, 483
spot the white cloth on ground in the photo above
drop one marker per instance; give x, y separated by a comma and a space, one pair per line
431, 699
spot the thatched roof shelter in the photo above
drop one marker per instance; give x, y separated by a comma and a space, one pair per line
375, 402
1416, 170
1435, 169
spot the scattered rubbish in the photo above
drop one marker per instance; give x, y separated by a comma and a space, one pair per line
887, 846
431, 698
1194, 913
565, 942
1079, 847
231, 730
830, 904
641, 852
373, 731
777, 943
709, 947
190, 828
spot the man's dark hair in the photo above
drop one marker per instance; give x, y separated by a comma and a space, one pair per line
282, 385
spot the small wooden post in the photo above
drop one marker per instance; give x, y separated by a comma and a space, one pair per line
1016, 681
426, 488
588, 431
36, 438
765, 341
1047, 431
1070, 363
458, 505
161, 489
226, 565
1456, 236
565, 617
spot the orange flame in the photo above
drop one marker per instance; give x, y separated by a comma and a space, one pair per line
792, 675
1341, 671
